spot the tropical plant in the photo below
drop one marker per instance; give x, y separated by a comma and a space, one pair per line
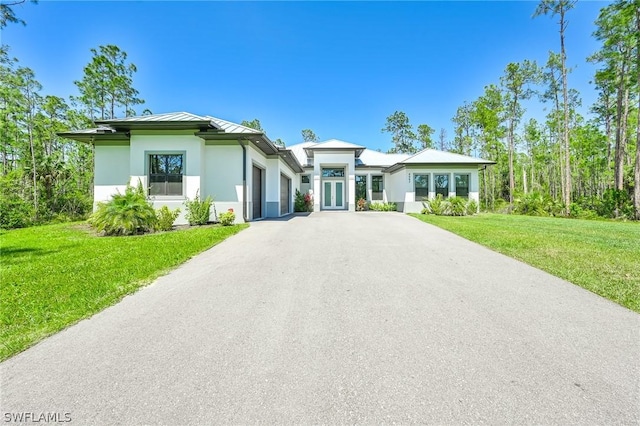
166, 217
130, 213
227, 218
437, 206
198, 211
457, 206
383, 207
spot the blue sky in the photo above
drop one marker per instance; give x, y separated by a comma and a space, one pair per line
339, 68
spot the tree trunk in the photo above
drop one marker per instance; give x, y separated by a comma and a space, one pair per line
565, 95
636, 187
618, 171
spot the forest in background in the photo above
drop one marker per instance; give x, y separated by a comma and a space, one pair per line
566, 165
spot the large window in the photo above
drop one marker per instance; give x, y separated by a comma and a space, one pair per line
376, 188
462, 186
442, 185
332, 172
165, 174
361, 187
421, 186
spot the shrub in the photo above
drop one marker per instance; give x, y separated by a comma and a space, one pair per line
227, 218
125, 214
437, 206
303, 202
166, 218
198, 211
457, 206
361, 205
454, 206
383, 207
299, 205
472, 207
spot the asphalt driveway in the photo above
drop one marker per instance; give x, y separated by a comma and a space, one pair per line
340, 318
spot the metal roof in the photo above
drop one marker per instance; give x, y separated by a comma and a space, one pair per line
334, 144
157, 118
230, 127
433, 156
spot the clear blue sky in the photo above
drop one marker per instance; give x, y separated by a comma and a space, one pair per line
339, 68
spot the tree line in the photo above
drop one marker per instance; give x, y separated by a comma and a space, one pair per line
562, 164
565, 164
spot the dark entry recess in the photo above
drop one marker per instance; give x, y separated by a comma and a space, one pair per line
285, 194
256, 197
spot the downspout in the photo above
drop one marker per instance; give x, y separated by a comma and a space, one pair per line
244, 181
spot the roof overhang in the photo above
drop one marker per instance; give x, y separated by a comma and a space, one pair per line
93, 137
402, 165
159, 125
309, 151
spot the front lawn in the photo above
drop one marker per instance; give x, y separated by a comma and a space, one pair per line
601, 256
52, 276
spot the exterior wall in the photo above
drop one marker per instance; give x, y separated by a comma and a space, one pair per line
222, 178
112, 170
411, 205
368, 172
144, 143
336, 158
396, 188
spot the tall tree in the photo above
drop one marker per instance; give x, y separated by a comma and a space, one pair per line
616, 30
515, 83
253, 124
463, 140
443, 144
402, 135
107, 84
636, 187
7, 15
425, 133
308, 135
560, 8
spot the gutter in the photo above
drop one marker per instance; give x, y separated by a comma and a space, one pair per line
244, 180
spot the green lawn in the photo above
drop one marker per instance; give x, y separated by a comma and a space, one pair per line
601, 256
52, 276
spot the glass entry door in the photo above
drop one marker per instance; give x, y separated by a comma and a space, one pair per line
333, 195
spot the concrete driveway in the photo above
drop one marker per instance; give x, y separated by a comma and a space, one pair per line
341, 318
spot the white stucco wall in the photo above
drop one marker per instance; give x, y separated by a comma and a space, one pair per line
112, 170
338, 158
222, 177
144, 143
413, 205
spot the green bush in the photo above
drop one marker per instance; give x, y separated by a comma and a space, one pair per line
437, 206
125, 214
299, 204
454, 206
227, 218
166, 218
198, 211
383, 207
457, 206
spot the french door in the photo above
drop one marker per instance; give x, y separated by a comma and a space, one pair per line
333, 195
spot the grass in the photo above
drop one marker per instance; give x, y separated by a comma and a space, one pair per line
600, 256
53, 276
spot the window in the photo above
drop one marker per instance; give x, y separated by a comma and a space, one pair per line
332, 172
462, 186
421, 186
165, 174
361, 187
376, 188
305, 178
442, 185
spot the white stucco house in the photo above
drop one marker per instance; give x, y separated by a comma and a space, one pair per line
178, 155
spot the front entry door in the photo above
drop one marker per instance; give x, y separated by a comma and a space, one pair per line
256, 192
333, 195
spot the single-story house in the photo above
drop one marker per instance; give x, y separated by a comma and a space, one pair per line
177, 156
